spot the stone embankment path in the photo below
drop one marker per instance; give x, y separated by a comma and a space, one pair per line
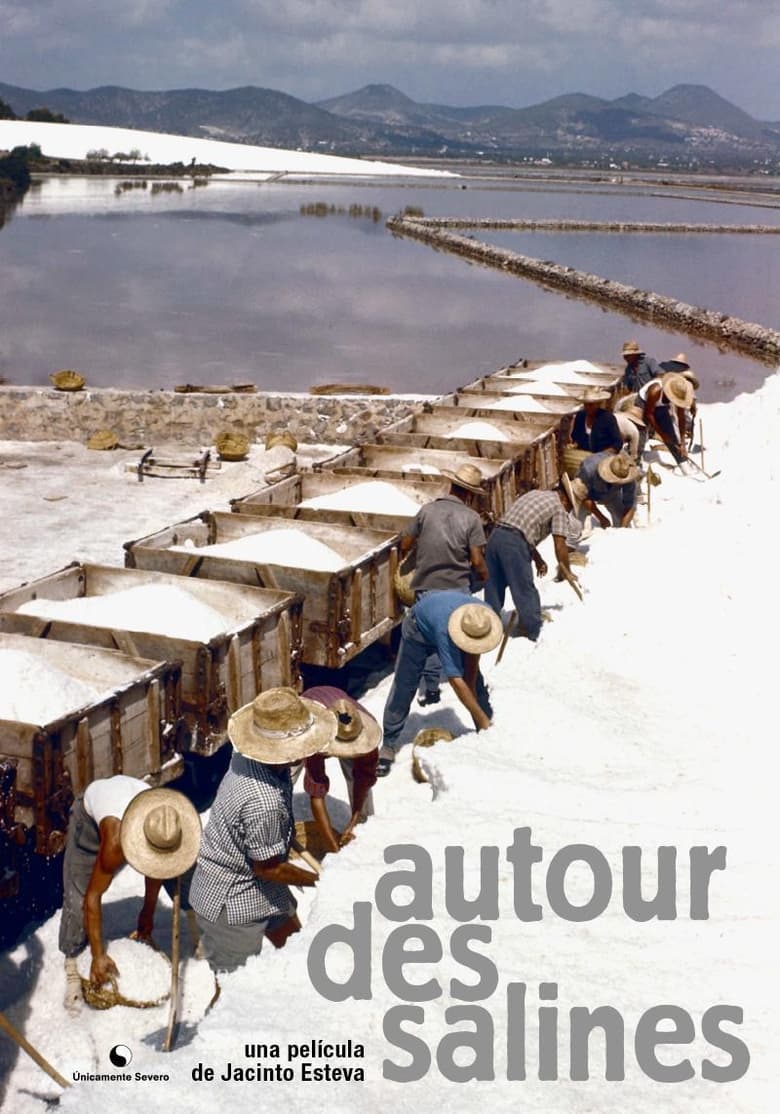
722, 329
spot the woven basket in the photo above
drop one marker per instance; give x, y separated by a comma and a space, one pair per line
67, 380
283, 437
103, 439
402, 583
106, 996
232, 446
571, 459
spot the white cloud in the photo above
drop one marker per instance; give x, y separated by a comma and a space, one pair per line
463, 51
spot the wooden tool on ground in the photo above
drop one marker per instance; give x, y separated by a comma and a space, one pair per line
25, 1045
173, 1010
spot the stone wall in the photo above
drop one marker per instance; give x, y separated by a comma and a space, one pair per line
157, 417
721, 328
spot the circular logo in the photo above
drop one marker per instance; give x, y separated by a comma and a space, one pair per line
120, 1055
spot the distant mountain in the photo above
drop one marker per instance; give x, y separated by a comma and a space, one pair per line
686, 123
245, 115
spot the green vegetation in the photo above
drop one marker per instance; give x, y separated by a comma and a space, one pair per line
46, 116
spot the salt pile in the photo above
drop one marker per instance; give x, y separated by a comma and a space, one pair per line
34, 691
292, 548
144, 974
153, 608
526, 405
543, 388
575, 371
374, 495
479, 431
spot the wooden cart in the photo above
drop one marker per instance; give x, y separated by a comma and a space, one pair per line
259, 648
132, 728
343, 611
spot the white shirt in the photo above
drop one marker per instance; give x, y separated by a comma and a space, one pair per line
110, 796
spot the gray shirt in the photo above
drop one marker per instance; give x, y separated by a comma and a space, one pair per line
445, 530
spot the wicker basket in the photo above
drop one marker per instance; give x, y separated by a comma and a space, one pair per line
104, 997
571, 459
283, 437
232, 446
104, 439
67, 380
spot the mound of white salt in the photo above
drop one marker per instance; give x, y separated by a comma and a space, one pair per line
526, 404
144, 974
479, 431
153, 608
376, 496
546, 387
35, 691
292, 548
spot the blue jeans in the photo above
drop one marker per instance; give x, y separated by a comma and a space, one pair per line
508, 558
409, 667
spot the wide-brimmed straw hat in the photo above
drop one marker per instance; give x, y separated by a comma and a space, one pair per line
678, 363
160, 833
677, 389
594, 394
617, 469
357, 732
475, 628
631, 348
279, 727
466, 475
568, 487
635, 413
692, 378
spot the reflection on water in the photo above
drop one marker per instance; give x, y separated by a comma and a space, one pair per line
234, 282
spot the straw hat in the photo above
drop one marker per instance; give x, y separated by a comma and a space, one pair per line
692, 378
160, 833
357, 732
677, 389
579, 491
466, 475
280, 727
475, 628
678, 363
594, 394
617, 469
635, 413
281, 437
568, 487
631, 348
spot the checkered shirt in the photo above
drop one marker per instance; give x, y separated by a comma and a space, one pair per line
250, 820
537, 514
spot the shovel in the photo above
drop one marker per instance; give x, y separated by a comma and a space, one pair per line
25, 1045
173, 1012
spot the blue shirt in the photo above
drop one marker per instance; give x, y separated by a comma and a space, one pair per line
432, 614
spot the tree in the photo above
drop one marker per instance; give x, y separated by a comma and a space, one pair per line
46, 116
6, 112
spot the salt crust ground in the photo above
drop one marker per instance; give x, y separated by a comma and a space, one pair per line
645, 715
73, 141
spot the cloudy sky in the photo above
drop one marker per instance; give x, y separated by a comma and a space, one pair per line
513, 52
